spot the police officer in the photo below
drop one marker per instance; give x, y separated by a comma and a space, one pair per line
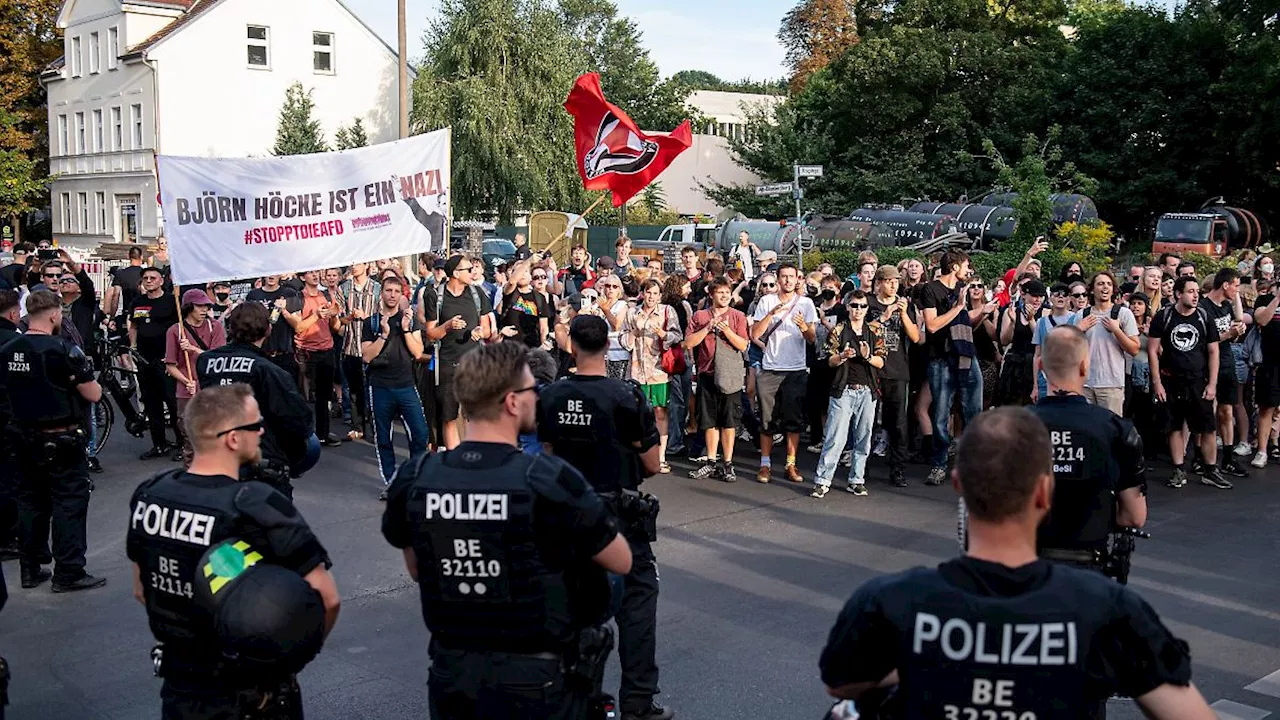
606, 429
1097, 459
509, 552
289, 444
176, 518
1001, 632
49, 383
9, 441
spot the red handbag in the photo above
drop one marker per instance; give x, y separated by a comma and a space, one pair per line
673, 362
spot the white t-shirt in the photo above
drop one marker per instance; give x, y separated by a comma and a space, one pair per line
785, 349
746, 260
616, 350
1106, 357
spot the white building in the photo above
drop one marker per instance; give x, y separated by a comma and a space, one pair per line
194, 77
709, 158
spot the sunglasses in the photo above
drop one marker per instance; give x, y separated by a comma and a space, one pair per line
977, 285
53, 276
251, 427
857, 306
536, 388
539, 277
468, 268
68, 280
768, 285
1075, 295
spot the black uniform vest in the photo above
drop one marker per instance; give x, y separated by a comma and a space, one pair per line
1086, 440
582, 416
483, 583
176, 523
967, 655
35, 375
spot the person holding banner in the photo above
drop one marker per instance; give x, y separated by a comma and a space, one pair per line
285, 311
199, 333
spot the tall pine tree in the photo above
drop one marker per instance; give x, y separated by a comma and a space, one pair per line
298, 132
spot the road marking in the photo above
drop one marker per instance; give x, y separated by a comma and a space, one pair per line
1228, 710
1269, 685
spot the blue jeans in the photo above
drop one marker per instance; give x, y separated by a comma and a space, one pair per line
529, 444
943, 383
388, 404
678, 391
849, 416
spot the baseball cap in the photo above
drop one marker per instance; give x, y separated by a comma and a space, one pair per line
605, 262
887, 272
1033, 287
439, 265
196, 296
452, 264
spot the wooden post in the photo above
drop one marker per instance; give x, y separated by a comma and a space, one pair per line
569, 226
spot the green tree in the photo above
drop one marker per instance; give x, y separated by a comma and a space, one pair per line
298, 132
815, 33
23, 182
351, 136
495, 71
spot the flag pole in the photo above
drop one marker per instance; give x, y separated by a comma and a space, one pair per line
569, 226
177, 294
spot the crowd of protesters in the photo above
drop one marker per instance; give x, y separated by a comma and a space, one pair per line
732, 349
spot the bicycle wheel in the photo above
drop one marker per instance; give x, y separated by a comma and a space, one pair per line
104, 415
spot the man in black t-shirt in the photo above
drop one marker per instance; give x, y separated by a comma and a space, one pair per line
525, 315
390, 341
1222, 303
150, 317
1183, 351
125, 287
952, 366
894, 316
1051, 641
285, 306
458, 320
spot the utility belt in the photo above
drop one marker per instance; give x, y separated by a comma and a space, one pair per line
52, 444
1092, 558
275, 699
273, 473
638, 512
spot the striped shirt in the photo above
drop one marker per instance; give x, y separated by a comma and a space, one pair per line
363, 300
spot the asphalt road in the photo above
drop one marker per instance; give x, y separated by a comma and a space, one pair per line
752, 577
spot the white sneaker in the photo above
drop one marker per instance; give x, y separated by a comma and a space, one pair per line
815, 449
1260, 459
1243, 449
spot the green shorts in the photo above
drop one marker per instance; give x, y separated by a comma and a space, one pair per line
657, 394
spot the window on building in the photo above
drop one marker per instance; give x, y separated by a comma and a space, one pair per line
117, 129
259, 46
113, 47
80, 147
98, 144
95, 53
135, 112
76, 61
66, 212
322, 52
62, 135
102, 213
83, 199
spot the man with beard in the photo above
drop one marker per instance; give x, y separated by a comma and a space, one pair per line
1183, 351
176, 518
1112, 331
390, 342
509, 551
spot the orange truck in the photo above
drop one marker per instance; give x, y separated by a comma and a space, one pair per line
1216, 230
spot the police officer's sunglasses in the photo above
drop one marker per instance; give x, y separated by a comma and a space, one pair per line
251, 427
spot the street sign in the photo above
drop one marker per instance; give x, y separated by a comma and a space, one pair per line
774, 189
809, 170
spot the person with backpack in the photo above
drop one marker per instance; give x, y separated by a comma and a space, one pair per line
1112, 332
458, 320
1183, 352
745, 256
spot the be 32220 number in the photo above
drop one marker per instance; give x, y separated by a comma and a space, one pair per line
968, 713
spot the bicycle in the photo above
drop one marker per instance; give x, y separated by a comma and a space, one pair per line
119, 377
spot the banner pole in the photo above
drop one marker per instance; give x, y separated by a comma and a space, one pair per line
569, 227
177, 291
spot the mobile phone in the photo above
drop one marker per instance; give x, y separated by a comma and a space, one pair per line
588, 303
49, 254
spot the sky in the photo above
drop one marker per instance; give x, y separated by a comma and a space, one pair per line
733, 39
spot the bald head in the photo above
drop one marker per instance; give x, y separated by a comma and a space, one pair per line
1064, 356
999, 485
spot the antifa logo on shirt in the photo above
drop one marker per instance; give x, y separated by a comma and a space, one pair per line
1185, 337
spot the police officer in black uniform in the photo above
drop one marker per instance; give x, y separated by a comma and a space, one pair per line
1001, 632
289, 444
176, 518
509, 551
49, 383
606, 429
1097, 461
10, 441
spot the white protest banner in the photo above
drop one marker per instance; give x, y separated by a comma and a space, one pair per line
229, 218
